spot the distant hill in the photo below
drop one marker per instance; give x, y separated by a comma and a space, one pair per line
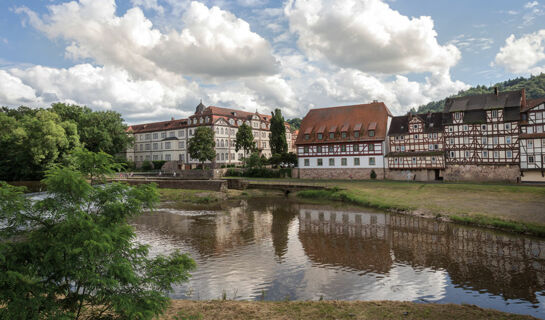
535, 88
295, 123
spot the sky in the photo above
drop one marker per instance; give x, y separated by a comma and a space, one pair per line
151, 60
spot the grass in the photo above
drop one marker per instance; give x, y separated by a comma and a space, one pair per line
185, 310
514, 208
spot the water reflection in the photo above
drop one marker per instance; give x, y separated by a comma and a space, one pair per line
276, 249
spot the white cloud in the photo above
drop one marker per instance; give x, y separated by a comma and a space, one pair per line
149, 4
530, 5
251, 3
13, 91
472, 44
214, 42
368, 35
523, 55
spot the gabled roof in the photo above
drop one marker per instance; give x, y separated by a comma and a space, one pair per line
486, 101
433, 122
346, 118
158, 126
232, 113
533, 103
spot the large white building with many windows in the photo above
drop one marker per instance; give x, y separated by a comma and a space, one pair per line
168, 140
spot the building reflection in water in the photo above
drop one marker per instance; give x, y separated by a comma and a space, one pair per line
302, 251
476, 259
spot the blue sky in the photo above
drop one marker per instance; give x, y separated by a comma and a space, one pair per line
155, 59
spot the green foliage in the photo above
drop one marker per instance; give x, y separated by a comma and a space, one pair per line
202, 145
94, 166
32, 141
98, 130
535, 88
255, 161
295, 123
72, 255
147, 165
259, 173
158, 164
245, 139
373, 174
277, 140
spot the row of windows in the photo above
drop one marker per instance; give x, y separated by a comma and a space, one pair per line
155, 135
416, 136
532, 159
344, 162
534, 129
413, 160
484, 140
159, 146
331, 149
492, 113
343, 135
431, 147
483, 154
483, 127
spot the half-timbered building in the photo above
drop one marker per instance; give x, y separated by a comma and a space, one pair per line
532, 141
343, 142
482, 136
416, 147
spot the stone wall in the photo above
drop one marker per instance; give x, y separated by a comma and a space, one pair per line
340, 173
412, 175
213, 185
482, 173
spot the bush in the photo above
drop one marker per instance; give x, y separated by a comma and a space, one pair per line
158, 164
147, 166
373, 174
259, 173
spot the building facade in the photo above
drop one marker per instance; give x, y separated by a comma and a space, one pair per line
416, 147
532, 141
168, 140
343, 142
481, 135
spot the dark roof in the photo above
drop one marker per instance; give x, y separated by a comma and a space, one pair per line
486, 101
419, 153
373, 115
433, 122
158, 126
511, 114
533, 103
474, 116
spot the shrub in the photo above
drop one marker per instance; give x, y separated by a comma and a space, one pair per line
373, 174
147, 166
158, 164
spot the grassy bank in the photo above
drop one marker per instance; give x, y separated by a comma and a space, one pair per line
204, 199
508, 207
183, 309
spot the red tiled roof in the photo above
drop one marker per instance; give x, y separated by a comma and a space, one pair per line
232, 113
533, 103
372, 126
346, 116
158, 126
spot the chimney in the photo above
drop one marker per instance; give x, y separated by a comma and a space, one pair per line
496, 91
375, 101
172, 118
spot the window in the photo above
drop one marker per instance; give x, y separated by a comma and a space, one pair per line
356, 148
171, 134
402, 148
467, 154
430, 135
413, 160
466, 127
495, 140
167, 145
430, 147
494, 113
451, 155
331, 162
343, 135
484, 141
163, 135
531, 159
320, 136
356, 134
466, 140
433, 160
415, 126
416, 136
319, 162
450, 129
155, 146
483, 127
332, 135
356, 161
306, 149
458, 115
307, 162
330, 149
155, 135
181, 144
436, 147
508, 140
190, 132
148, 136
148, 146
167, 157
319, 149
507, 126
485, 154
495, 154
451, 140
530, 144
509, 154
307, 136
343, 148
343, 161
435, 135
371, 133
371, 161
372, 147
155, 157
181, 133
395, 160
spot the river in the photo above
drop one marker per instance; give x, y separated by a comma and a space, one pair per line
279, 249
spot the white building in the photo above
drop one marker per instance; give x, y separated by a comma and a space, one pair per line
168, 140
532, 141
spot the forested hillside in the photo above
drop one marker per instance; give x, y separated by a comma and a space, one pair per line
535, 88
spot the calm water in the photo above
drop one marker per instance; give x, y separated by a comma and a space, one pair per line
275, 249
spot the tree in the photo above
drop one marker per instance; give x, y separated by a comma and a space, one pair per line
202, 145
245, 139
295, 123
30, 142
72, 255
278, 133
98, 130
255, 161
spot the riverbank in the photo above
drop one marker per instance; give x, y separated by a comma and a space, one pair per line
187, 309
513, 208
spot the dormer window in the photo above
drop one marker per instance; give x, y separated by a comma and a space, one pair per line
494, 113
458, 115
332, 135
415, 126
307, 136
371, 133
239, 122
343, 134
207, 119
320, 136
231, 121
356, 134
